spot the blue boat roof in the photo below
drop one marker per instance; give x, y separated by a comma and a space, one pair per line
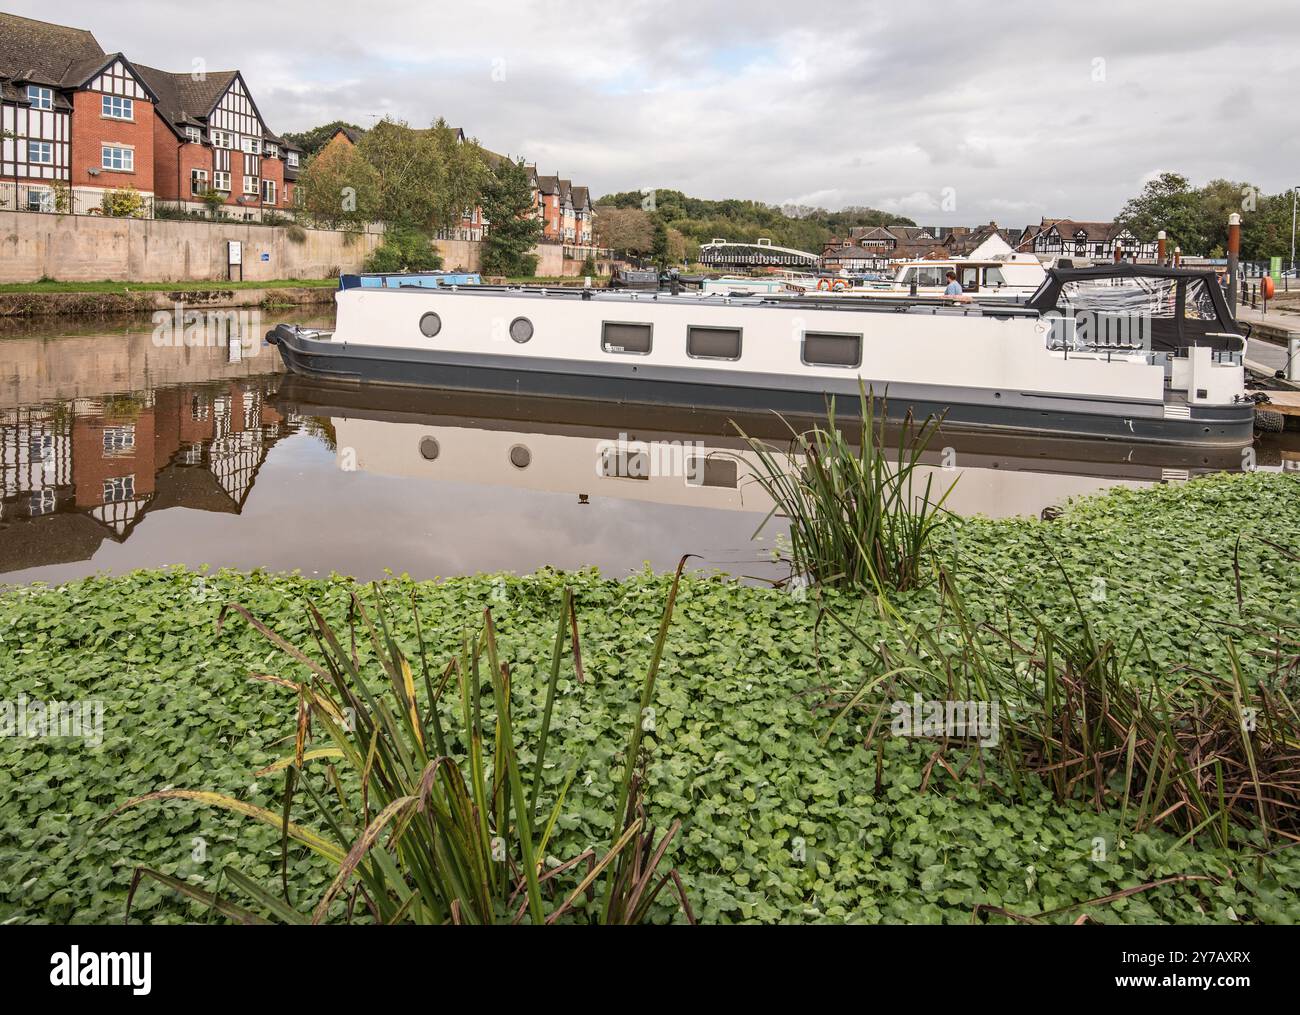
409, 280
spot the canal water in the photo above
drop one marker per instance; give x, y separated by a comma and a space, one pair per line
124, 446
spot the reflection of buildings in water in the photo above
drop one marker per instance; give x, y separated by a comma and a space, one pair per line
74, 473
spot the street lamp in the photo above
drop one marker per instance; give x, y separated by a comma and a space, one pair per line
1294, 191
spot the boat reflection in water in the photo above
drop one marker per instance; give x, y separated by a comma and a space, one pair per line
686, 457
115, 455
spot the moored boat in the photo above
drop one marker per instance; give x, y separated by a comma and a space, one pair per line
1126, 352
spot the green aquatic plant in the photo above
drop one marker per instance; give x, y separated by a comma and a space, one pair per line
423, 800
860, 515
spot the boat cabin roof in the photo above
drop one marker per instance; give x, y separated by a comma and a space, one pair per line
1183, 306
828, 301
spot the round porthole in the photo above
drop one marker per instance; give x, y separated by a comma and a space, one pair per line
429, 448
520, 457
430, 325
521, 329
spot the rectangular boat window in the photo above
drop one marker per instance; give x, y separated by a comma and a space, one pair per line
712, 471
713, 343
624, 463
616, 336
827, 350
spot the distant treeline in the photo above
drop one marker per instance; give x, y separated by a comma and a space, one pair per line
697, 221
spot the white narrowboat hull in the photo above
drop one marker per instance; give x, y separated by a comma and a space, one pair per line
978, 366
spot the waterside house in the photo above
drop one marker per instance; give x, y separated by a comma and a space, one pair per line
81, 124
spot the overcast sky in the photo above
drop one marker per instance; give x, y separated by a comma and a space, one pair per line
1011, 110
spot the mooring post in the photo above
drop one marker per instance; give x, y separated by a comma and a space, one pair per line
1234, 250
1161, 252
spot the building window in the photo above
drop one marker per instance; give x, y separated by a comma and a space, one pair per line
193, 135
293, 160
198, 181
250, 146
250, 185
40, 199
221, 139
268, 191
41, 152
118, 158
40, 98
272, 152
118, 489
221, 181
119, 439
116, 107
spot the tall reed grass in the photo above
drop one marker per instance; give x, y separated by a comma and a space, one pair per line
1198, 750
859, 515
415, 790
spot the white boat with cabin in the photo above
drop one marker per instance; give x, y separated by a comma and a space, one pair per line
1128, 352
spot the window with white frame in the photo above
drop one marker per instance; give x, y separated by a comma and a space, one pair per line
117, 107
40, 98
119, 158
250, 146
119, 439
272, 152
198, 181
118, 489
293, 160
40, 199
250, 185
221, 139
268, 191
221, 181
41, 152
193, 135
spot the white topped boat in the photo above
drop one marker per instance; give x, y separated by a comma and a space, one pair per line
1129, 352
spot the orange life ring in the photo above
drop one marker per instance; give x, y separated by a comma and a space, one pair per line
840, 285
824, 284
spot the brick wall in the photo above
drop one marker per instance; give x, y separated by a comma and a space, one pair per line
91, 129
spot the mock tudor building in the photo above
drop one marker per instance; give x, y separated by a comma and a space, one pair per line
80, 123
77, 122
209, 137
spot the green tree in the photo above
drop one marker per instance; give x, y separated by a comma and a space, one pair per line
426, 178
312, 141
338, 188
660, 254
622, 229
404, 249
513, 230
1168, 202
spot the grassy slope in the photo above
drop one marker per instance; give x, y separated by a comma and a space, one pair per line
735, 753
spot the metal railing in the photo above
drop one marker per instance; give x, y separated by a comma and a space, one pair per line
60, 199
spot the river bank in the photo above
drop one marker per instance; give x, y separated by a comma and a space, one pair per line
108, 299
780, 822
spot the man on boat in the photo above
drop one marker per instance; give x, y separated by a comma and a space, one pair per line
954, 290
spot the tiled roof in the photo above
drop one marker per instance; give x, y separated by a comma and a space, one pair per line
183, 101
43, 53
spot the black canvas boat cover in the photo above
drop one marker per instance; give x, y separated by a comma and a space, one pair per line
1175, 308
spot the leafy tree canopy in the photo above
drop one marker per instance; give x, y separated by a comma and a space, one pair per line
699, 220
312, 141
1196, 218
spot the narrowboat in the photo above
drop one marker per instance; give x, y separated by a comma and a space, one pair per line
1127, 352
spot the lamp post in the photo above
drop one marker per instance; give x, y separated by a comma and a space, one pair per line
1234, 253
1294, 191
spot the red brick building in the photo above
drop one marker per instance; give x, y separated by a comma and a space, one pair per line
79, 124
